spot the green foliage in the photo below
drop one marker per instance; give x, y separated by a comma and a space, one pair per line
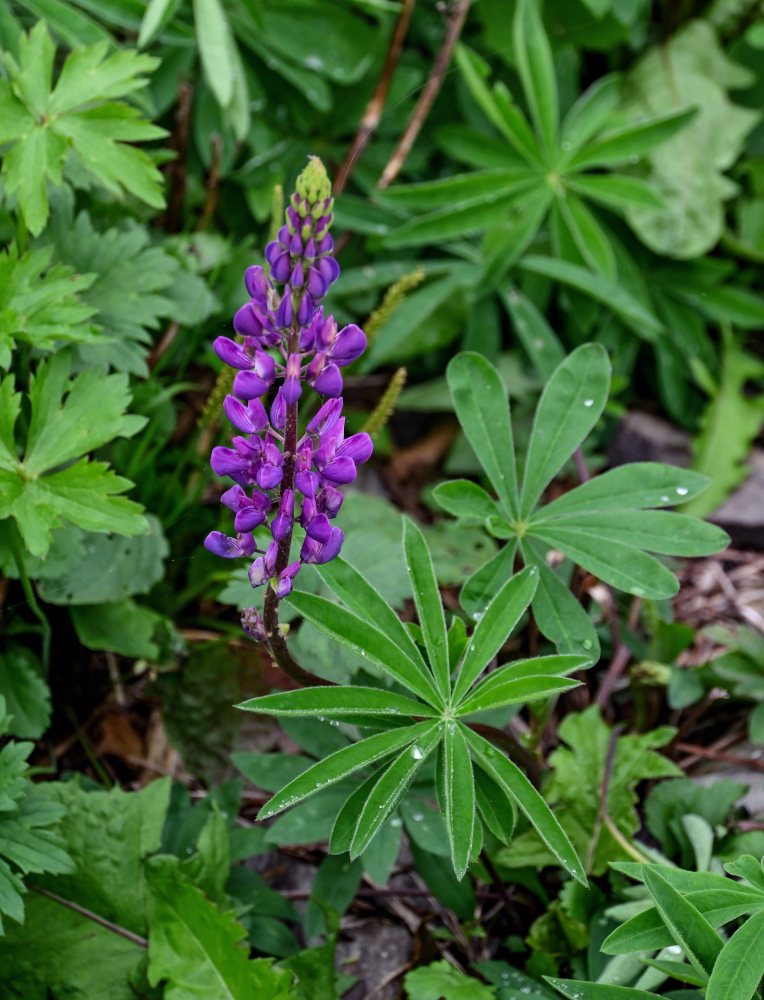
441, 981
82, 114
575, 790
27, 845
603, 525
69, 418
371, 628
27, 697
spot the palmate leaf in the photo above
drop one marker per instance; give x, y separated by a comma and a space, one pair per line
446, 680
601, 525
79, 114
68, 418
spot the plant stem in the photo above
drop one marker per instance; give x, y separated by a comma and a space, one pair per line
456, 18
26, 584
376, 105
115, 928
602, 812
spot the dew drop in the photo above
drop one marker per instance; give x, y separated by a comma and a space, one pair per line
416, 753
666, 499
587, 643
674, 949
417, 817
588, 402
682, 491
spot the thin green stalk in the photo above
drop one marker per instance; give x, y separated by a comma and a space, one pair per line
26, 584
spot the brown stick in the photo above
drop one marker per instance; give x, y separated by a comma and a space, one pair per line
376, 105
454, 24
213, 183
177, 169
115, 928
730, 758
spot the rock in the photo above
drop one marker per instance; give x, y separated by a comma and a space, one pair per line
742, 513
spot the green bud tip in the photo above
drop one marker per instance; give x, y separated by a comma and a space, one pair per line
313, 184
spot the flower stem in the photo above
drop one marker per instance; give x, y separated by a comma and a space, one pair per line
26, 584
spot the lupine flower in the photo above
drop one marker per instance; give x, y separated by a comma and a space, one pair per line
286, 341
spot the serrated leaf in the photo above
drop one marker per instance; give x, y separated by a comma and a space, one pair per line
441, 981
570, 405
27, 696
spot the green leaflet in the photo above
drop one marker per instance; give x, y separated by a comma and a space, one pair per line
691, 931
82, 114
459, 796
740, 964
424, 587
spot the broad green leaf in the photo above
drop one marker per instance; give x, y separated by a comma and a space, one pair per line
108, 568
336, 702
27, 696
536, 68
358, 635
215, 43
570, 405
616, 562
389, 788
659, 531
690, 70
689, 928
354, 590
589, 237
334, 886
617, 191
339, 765
541, 343
628, 309
479, 588
558, 614
514, 783
194, 947
536, 667
454, 192
459, 791
428, 603
91, 414
462, 219
463, 498
740, 965
635, 485
622, 144
480, 400
515, 691
504, 116
576, 990
590, 113
122, 627
494, 626
441, 981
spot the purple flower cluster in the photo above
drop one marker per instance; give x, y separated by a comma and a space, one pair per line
286, 340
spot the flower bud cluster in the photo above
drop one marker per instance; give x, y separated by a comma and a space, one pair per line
286, 340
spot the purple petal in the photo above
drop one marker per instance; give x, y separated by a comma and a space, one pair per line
310, 250
256, 282
249, 518
269, 476
325, 416
286, 577
307, 483
232, 498
317, 286
349, 345
325, 245
295, 247
246, 323
281, 266
297, 277
257, 573
227, 462
319, 528
282, 522
273, 251
329, 501
329, 382
231, 353
313, 552
285, 313
253, 625
248, 385
278, 411
305, 310
329, 268
358, 447
221, 545
341, 470
248, 419
308, 512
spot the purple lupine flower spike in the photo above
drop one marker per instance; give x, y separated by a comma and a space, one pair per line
281, 479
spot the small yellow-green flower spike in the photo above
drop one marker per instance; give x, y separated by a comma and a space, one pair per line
313, 190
